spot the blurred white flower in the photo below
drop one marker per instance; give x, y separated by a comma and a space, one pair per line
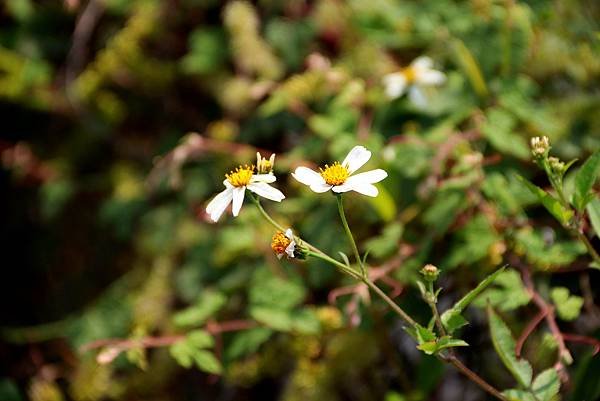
338, 177
236, 183
414, 79
264, 165
283, 243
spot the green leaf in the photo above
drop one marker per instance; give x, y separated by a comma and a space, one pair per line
200, 339
181, 352
271, 291
562, 214
568, 306
584, 181
247, 342
424, 335
546, 385
206, 306
207, 362
448, 342
508, 294
504, 344
431, 347
452, 318
518, 395
593, 210
306, 321
499, 130
274, 318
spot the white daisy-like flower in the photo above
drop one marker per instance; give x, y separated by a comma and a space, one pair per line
338, 177
264, 165
414, 78
283, 243
236, 183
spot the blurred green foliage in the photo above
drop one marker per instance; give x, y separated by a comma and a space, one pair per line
104, 232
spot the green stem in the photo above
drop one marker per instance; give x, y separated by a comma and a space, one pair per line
432, 302
342, 267
340, 205
589, 246
389, 301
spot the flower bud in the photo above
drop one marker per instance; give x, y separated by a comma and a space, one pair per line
284, 244
556, 165
264, 166
430, 272
540, 146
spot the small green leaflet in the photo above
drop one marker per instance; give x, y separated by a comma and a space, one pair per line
192, 351
567, 305
593, 210
544, 388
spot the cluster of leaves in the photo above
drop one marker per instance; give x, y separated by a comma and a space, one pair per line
105, 241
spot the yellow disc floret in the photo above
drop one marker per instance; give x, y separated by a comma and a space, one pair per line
336, 174
409, 74
280, 242
241, 176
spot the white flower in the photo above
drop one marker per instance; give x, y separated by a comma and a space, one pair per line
338, 177
283, 243
236, 183
414, 78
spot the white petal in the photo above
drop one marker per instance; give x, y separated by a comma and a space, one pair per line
422, 62
289, 233
366, 189
417, 96
268, 178
266, 191
357, 158
227, 183
320, 188
431, 77
217, 206
394, 85
290, 249
307, 176
238, 199
342, 188
368, 177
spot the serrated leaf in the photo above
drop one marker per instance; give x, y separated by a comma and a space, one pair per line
560, 213
452, 318
546, 385
593, 210
518, 395
584, 181
504, 344
568, 306
247, 342
207, 362
278, 319
431, 347
206, 306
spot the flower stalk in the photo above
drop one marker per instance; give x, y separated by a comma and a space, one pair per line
359, 261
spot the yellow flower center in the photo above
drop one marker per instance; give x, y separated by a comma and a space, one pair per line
279, 242
409, 74
265, 167
336, 174
241, 176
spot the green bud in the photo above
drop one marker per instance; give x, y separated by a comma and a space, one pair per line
430, 272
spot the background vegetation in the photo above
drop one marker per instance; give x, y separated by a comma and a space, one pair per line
104, 233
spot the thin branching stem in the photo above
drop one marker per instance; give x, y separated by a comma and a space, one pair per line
359, 261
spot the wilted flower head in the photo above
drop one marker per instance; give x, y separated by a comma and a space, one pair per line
540, 146
264, 166
338, 177
418, 75
283, 243
236, 183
